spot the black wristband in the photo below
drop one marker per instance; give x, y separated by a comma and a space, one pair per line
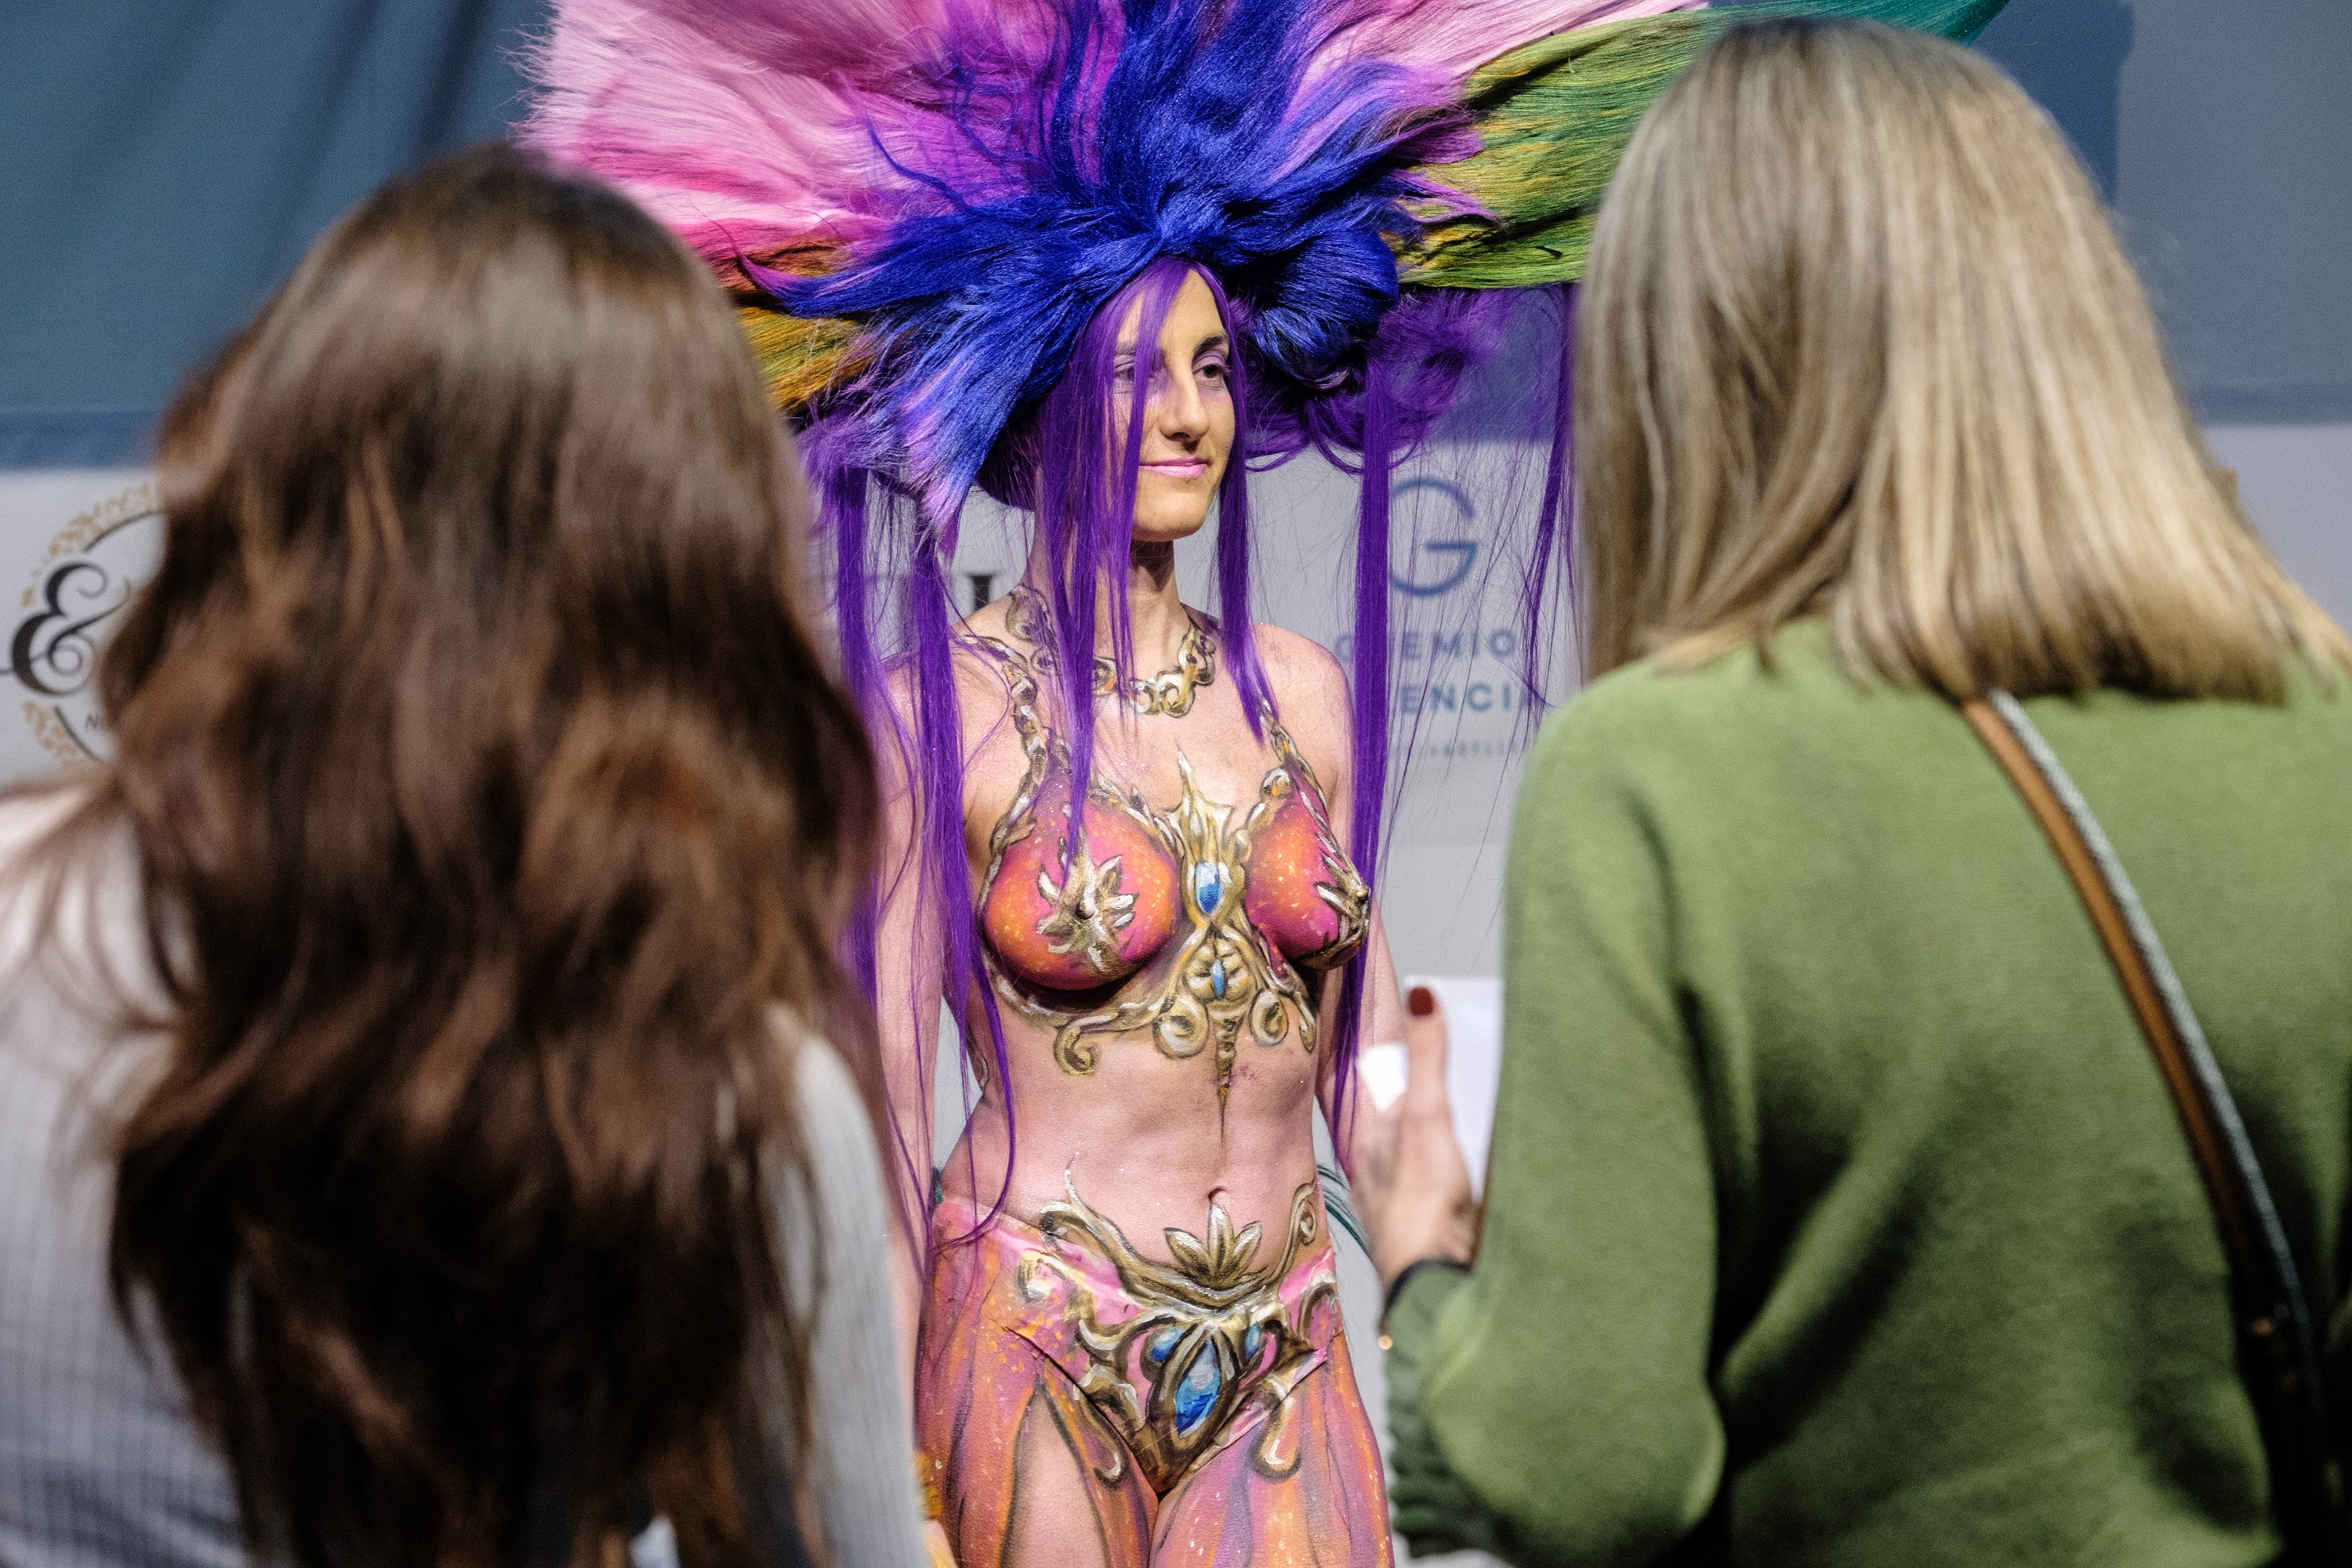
1404, 1275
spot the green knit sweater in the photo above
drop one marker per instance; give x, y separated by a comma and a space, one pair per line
1838, 1213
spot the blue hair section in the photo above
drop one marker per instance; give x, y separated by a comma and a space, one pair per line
1188, 145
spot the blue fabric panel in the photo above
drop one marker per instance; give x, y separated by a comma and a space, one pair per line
77, 438
2275, 402
167, 161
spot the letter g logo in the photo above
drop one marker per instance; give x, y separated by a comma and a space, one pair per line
1455, 557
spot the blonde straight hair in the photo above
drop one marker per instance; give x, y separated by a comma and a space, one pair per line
1857, 338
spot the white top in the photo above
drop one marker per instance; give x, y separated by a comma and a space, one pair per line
100, 1463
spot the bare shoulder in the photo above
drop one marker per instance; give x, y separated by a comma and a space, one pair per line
975, 661
983, 667
1298, 670
1310, 692
993, 620
984, 699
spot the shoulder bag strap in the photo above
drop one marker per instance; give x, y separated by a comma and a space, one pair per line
2278, 1347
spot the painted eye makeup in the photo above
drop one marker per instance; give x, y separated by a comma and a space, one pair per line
1211, 368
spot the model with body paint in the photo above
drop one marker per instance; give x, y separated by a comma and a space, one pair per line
1144, 1346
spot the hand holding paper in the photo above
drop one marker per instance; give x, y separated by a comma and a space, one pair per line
1413, 1186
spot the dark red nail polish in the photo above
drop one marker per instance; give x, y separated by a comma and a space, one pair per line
1422, 1000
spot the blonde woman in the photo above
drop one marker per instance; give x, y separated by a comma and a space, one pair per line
1837, 1212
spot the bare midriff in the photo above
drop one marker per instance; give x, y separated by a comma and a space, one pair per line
1137, 1144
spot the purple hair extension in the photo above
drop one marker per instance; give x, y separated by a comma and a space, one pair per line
944, 887
1072, 492
845, 519
841, 514
1368, 793
1086, 516
1085, 507
1554, 525
1234, 622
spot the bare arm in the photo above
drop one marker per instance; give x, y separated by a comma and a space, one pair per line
1383, 1021
1312, 693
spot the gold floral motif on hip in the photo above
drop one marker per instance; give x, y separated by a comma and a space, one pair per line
1211, 1337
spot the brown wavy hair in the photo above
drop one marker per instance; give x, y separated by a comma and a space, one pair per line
496, 818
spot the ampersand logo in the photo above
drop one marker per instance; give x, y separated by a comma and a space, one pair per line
78, 592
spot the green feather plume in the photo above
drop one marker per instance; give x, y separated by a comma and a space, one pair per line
1555, 116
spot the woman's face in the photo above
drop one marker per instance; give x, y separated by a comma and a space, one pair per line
1187, 429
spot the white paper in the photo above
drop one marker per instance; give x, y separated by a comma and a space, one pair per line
1474, 1060
1384, 1069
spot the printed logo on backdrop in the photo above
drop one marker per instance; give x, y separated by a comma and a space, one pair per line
1455, 660
1461, 554
73, 595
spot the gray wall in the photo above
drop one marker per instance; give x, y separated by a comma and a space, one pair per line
2223, 131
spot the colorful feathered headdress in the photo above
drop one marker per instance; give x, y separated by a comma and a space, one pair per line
920, 206
922, 202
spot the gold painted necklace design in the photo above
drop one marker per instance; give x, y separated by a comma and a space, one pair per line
1170, 691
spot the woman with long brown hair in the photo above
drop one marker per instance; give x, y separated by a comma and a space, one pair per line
1838, 1212
420, 1031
